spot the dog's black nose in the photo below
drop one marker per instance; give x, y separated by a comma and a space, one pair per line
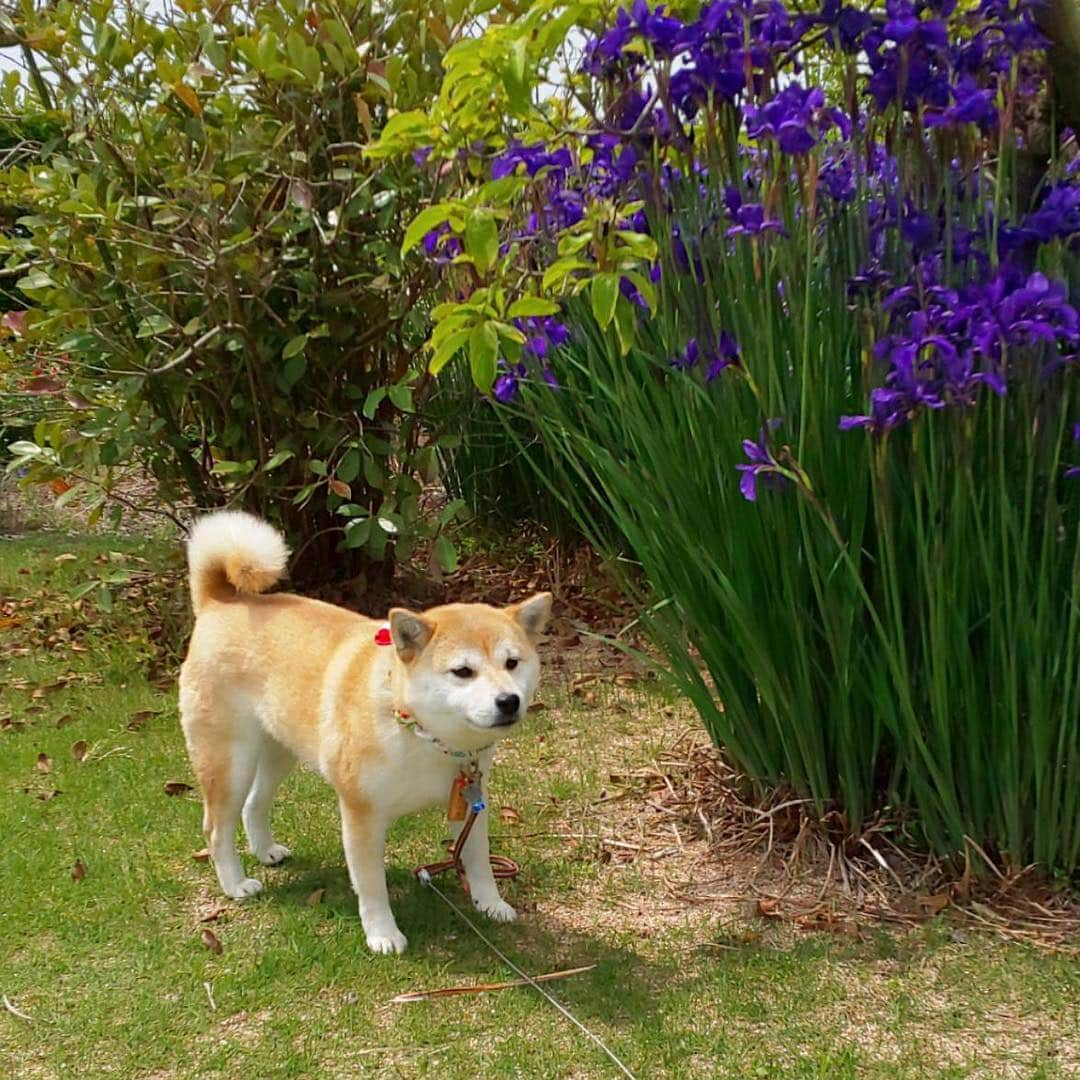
508, 704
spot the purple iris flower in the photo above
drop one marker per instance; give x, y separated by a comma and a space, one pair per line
542, 333
533, 158
688, 358
796, 118
972, 104
761, 463
505, 389
750, 220
628, 289
725, 355
441, 246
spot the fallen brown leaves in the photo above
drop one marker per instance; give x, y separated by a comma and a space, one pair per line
810, 871
212, 941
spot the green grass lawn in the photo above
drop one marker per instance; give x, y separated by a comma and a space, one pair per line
114, 973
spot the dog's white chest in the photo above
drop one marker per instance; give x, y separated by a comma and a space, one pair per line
416, 777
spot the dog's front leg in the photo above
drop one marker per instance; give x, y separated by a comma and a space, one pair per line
364, 836
477, 862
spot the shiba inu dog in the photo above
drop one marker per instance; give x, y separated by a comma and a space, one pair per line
387, 713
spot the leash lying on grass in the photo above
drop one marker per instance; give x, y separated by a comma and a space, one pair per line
425, 879
466, 793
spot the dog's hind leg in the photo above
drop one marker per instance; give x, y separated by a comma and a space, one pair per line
225, 756
274, 764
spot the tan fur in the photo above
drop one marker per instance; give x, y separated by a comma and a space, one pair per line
273, 678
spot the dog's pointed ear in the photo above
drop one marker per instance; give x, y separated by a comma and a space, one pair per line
532, 614
410, 631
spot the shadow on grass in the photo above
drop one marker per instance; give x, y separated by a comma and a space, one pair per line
621, 990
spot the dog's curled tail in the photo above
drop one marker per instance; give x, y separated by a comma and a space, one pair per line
231, 552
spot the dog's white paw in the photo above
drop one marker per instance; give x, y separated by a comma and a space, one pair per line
245, 888
274, 854
497, 909
392, 941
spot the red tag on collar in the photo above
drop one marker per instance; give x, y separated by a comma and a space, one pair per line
383, 636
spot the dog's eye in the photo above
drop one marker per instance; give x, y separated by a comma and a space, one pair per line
511, 663
463, 672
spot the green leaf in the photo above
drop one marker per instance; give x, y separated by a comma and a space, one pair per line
604, 293
357, 532
402, 397
643, 286
373, 473
153, 324
625, 324
372, 401
317, 467
424, 222
451, 511
293, 371
294, 346
448, 349
532, 307
84, 589
350, 510
483, 350
447, 554
233, 468
278, 459
36, 279
557, 273
482, 239
348, 468
22, 448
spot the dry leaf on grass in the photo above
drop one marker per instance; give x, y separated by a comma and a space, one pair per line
825, 921
68, 556
138, 719
212, 942
47, 796
213, 914
78, 871
78, 749
314, 897
63, 721
44, 763
202, 855
483, 988
509, 815
176, 787
935, 903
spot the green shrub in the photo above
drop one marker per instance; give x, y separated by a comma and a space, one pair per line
216, 269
